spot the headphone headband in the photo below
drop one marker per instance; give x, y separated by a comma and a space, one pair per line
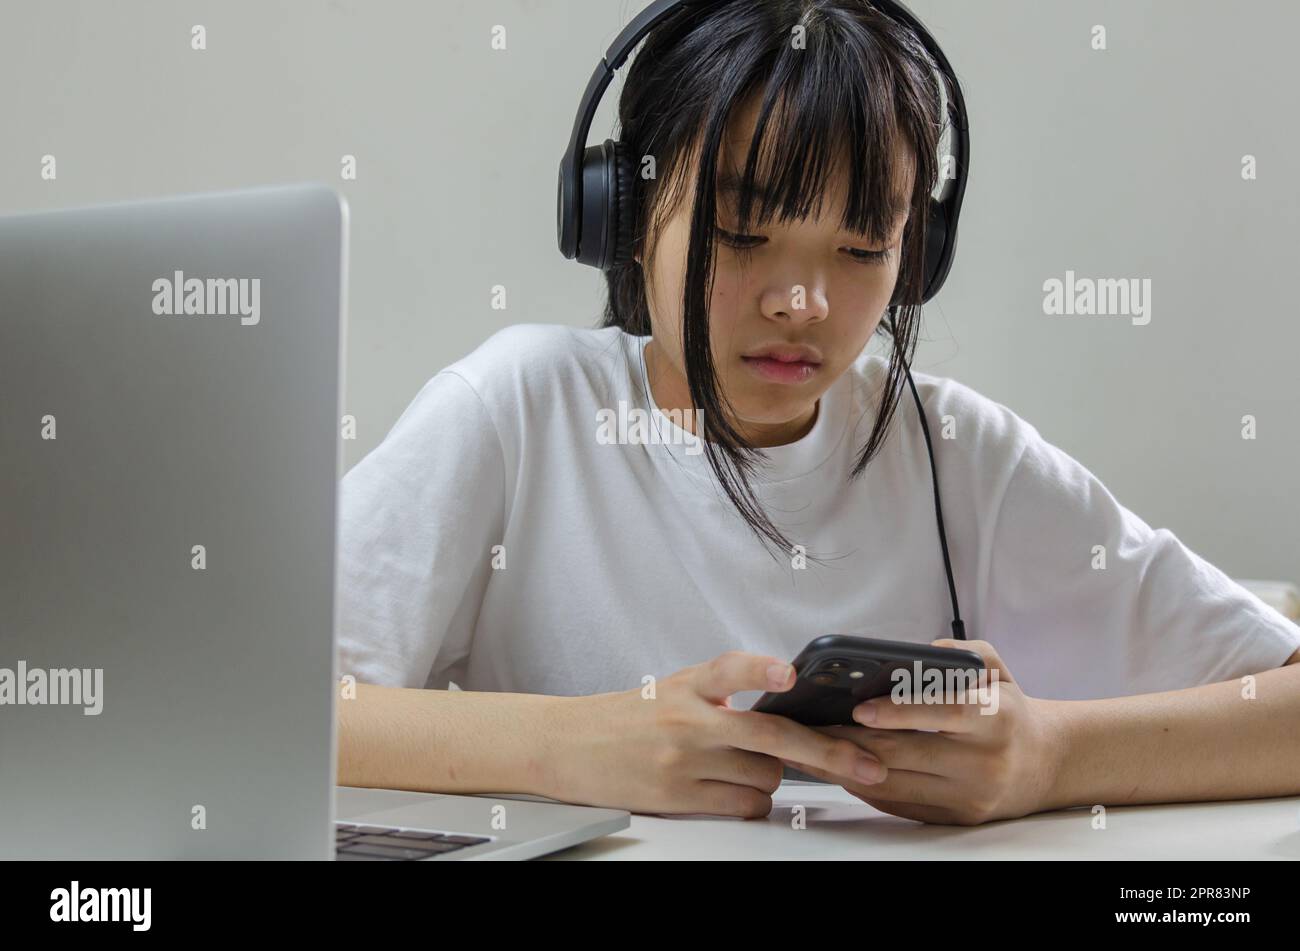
615, 56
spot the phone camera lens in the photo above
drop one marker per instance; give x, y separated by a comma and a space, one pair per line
826, 678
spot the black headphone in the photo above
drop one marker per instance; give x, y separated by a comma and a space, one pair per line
596, 200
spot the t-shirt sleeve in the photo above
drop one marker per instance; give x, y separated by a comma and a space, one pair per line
418, 517
1090, 601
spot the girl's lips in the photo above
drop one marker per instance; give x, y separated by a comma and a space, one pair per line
780, 372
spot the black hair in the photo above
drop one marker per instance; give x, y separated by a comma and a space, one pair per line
857, 84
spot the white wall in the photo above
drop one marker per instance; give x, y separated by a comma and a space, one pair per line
1124, 163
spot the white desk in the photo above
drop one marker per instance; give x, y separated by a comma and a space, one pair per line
842, 827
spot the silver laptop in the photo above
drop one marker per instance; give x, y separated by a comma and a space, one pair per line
170, 378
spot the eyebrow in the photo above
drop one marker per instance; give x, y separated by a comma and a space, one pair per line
729, 184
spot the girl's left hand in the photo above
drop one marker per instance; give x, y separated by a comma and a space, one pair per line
997, 764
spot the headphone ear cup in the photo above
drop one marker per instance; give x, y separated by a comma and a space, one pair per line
623, 206
936, 241
608, 206
936, 248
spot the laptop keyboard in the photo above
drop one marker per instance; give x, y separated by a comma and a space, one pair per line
361, 843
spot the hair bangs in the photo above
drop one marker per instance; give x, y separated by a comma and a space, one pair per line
825, 119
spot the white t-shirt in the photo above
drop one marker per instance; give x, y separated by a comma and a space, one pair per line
618, 561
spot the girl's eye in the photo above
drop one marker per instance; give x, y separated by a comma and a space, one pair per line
741, 241
870, 257
747, 242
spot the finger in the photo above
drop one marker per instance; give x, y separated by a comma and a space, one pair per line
742, 768
934, 753
735, 671
960, 715
784, 739
828, 777
988, 653
728, 799
900, 786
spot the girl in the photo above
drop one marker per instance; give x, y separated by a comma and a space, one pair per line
600, 588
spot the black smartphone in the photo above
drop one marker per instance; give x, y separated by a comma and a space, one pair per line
837, 672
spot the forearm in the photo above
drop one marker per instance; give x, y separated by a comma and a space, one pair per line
446, 741
1199, 744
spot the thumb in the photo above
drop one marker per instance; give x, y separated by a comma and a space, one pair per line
987, 652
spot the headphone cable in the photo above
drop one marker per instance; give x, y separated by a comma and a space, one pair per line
958, 628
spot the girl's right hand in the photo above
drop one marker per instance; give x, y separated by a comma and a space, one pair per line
684, 749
